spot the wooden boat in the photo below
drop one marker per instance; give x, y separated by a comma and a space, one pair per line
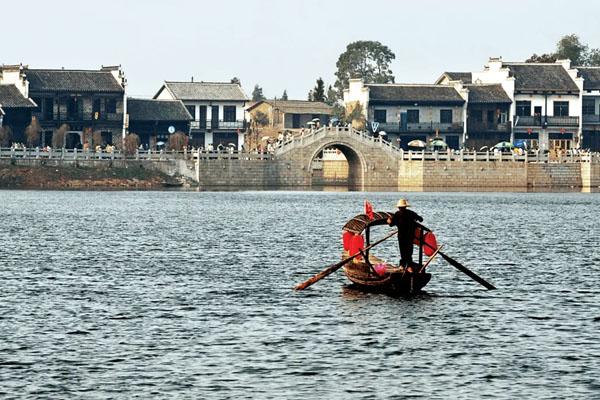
388, 278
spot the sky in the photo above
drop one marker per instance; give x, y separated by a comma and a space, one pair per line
282, 44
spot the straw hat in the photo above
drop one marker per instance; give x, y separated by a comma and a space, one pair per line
402, 203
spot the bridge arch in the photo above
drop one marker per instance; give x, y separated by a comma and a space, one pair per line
357, 164
372, 162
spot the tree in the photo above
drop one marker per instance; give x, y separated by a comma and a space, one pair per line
131, 143
97, 139
368, 60
5, 136
593, 58
542, 58
235, 79
178, 141
310, 95
318, 93
569, 46
332, 96
33, 132
355, 115
284, 96
261, 119
257, 93
58, 137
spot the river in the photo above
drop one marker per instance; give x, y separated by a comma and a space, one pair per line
189, 295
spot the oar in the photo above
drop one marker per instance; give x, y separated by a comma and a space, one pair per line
463, 269
467, 272
337, 266
433, 256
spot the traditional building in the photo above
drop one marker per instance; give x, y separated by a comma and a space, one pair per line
590, 107
408, 112
81, 99
217, 109
154, 120
15, 105
291, 114
546, 100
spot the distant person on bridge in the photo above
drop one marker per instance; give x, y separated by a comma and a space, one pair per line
406, 222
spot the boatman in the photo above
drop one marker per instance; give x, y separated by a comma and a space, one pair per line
406, 222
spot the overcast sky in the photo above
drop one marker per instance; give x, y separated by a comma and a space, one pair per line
282, 44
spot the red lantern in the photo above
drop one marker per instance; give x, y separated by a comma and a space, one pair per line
357, 244
529, 131
562, 131
347, 239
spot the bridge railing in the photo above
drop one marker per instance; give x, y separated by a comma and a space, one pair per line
311, 136
148, 155
530, 157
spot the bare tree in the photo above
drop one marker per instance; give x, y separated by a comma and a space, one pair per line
5, 136
58, 138
97, 139
355, 115
132, 142
33, 133
178, 141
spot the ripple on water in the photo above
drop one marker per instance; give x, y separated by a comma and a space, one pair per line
188, 295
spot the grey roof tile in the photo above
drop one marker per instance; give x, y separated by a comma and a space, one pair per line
541, 77
11, 97
487, 93
157, 110
298, 106
591, 76
64, 80
465, 77
222, 91
404, 93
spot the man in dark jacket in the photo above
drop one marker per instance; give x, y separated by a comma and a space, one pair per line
406, 222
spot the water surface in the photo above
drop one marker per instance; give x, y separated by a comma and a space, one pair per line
188, 295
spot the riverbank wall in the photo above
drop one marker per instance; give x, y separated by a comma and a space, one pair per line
57, 174
279, 174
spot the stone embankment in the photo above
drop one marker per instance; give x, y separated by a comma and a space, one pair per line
70, 177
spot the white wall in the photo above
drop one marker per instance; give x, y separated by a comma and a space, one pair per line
426, 113
239, 108
540, 100
357, 91
13, 75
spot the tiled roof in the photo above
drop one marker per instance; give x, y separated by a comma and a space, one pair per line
591, 76
11, 97
482, 94
206, 91
403, 93
157, 110
298, 106
542, 77
64, 80
465, 77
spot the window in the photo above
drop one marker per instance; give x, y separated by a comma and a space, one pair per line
589, 106
561, 108
446, 116
96, 106
524, 108
229, 113
72, 108
412, 116
48, 108
295, 121
380, 116
192, 111
111, 106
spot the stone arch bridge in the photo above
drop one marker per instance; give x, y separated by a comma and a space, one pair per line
372, 162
